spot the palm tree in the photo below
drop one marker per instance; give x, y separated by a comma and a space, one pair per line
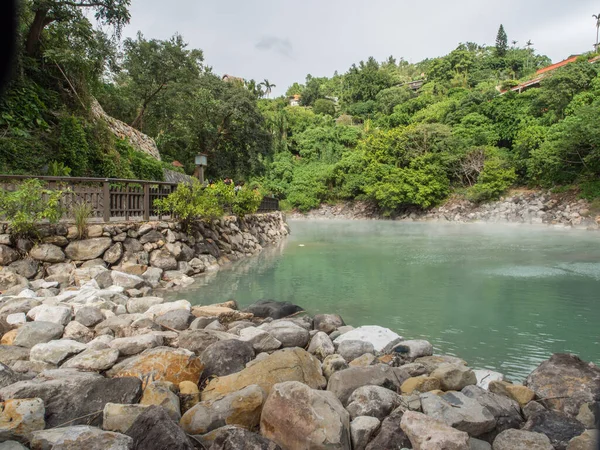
268, 87
529, 46
597, 17
514, 43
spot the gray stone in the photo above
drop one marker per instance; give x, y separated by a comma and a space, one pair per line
199, 323
80, 437
152, 276
19, 418
88, 248
373, 401
27, 267
328, 323
11, 445
454, 377
8, 376
93, 360
459, 411
226, 357
117, 417
48, 313
261, 340
390, 435
10, 354
345, 382
321, 346
414, 348
351, 350
288, 333
333, 363
47, 253
196, 340
72, 396
78, 332
478, 444
178, 319
133, 345
10, 280
273, 309
152, 237
142, 304
431, 363
55, 352
587, 441
7, 255
559, 427
33, 333
379, 337
504, 409
18, 305
426, 433
362, 430
154, 429
89, 316
114, 253
521, 439
234, 438
215, 325
589, 415
126, 280
163, 259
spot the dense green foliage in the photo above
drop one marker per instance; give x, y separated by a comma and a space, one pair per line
398, 134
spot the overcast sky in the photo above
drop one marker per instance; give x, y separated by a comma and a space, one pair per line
283, 40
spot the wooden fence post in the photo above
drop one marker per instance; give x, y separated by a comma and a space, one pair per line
146, 201
106, 196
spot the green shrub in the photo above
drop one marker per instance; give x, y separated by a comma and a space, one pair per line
81, 213
493, 181
73, 149
246, 201
29, 205
590, 190
324, 106
58, 169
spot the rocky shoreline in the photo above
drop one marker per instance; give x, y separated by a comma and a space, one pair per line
537, 208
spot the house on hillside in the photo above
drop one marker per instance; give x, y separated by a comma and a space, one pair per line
231, 79
295, 100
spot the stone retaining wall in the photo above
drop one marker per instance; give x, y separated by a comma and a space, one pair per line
136, 255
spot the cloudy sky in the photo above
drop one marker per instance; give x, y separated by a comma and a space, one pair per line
283, 40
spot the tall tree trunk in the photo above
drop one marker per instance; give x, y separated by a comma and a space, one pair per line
138, 120
35, 31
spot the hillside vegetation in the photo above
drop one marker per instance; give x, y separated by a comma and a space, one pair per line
362, 134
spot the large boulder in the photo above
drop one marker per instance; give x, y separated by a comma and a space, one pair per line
586, 441
33, 333
321, 346
390, 435
55, 352
297, 417
226, 357
362, 430
273, 309
117, 417
261, 340
20, 418
79, 437
332, 364
8, 376
7, 255
374, 401
133, 345
88, 249
142, 304
345, 382
234, 438
74, 397
160, 363
521, 394
47, 253
114, 253
48, 313
9, 354
126, 280
288, 333
567, 382
154, 429
433, 362
454, 377
198, 340
93, 360
350, 350
521, 439
292, 364
328, 323
178, 319
559, 427
163, 259
163, 394
27, 267
10, 280
414, 349
241, 408
459, 411
427, 433
379, 337
505, 410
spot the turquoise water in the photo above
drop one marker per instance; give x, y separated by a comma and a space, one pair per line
500, 297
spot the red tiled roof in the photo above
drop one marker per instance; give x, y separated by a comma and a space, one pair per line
177, 164
557, 65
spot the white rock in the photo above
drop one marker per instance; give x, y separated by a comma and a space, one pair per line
484, 377
142, 304
378, 336
55, 314
55, 352
260, 339
16, 319
27, 293
93, 360
159, 310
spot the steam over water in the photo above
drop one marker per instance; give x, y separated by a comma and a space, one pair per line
500, 297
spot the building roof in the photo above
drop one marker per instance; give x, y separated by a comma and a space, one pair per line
557, 65
177, 164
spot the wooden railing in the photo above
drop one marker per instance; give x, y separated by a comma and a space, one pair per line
114, 198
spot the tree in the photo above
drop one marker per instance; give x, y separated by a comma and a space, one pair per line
45, 12
153, 66
501, 42
268, 87
597, 17
324, 106
294, 89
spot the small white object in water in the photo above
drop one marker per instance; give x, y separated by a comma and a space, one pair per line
300, 245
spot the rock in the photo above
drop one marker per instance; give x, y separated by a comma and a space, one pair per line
126, 280
345, 382
233, 438
46, 313
159, 310
321, 346
9, 337
420, 384
79, 437
328, 323
567, 381
33, 333
9, 280
47, 253
197, 340
477, 444
485, 377
114, 253
55, 352
20, 418
589, 415
9, 354
587, 441
77, 332
94, 231
374, 401
333, 363
16, 320
261, 340
224, 314
390, 435
362, 430
433, 362
292, 364
459, 411
178, 319
72, 396
454, 377
365, 360
189, 395
88, 249
426, 433
521, 439
7, 255
226, 357
152, 275
116, 417
559, 427
142, 304
17, 305
414, 349
298, 417
89, 316
520, 394
163, 259
8, 376
92, 360
155, 430
288, 333
27, 268
379, 337
161, 363
133, 345
163, 394
11, 445
152, 237
505, 410
273, 309
351, 350
242, 408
